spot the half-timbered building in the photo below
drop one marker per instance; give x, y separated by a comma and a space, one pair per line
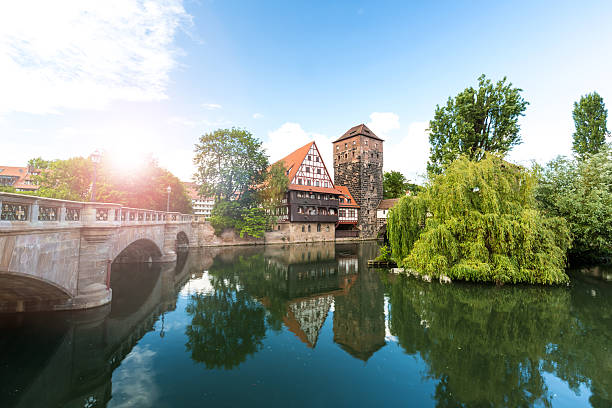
310, 208
348, 215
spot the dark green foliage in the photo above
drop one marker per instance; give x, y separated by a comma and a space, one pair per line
581, 192
590, 118
474, 122
233, 214
230, 162
385, 253
478, 222
394, 184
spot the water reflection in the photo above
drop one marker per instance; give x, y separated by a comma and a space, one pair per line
226, 318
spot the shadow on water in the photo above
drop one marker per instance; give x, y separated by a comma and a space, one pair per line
480, 345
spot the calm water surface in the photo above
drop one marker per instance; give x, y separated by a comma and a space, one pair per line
312, 326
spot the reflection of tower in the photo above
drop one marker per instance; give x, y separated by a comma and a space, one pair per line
359, 319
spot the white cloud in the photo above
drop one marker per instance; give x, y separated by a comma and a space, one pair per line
211, 106
408, 154
257, 116
80, 54
179, 120
382, 123
290, 136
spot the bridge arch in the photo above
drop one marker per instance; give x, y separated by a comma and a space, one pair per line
141, 250
29, 293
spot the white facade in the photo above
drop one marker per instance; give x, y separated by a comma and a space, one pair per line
203, 206
312, 171
382, 214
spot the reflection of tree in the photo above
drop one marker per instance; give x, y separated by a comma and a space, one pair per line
486, 345
226, 327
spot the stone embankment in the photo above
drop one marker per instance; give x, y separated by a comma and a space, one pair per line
425, 277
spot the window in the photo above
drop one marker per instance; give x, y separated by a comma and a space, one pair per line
327, 228
332, 211
354, 142
345, 155
342, 212
366, 142
302, 231
348, 200
317, 183
308, 182
345, 145
307, 169
316, 158
318, 196
337, 147
279, 227
300, 181
318, 227
308, 227
351, 213
300, 210
318, 171
341, 199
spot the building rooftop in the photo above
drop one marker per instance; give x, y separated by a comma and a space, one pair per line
358, 130
345, 191
387, 203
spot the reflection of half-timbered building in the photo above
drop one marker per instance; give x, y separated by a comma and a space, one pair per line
310, 209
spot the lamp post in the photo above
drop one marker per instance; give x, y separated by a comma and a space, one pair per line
169, 190
95, 158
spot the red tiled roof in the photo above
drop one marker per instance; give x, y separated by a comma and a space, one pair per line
293, 161
347, 194
313, 188
358, 130
21, 174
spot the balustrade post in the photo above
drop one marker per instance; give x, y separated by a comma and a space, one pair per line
34, 212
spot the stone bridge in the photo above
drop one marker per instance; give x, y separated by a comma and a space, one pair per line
57, 254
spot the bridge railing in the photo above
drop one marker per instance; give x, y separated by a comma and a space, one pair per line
32, 211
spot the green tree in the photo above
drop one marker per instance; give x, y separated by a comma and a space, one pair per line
590, 118
474, 122
38, 163
478, 222
229, 162
581, 192
394, 184
275, 185
65, 179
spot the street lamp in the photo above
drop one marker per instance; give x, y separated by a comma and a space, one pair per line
95, 158
169, 190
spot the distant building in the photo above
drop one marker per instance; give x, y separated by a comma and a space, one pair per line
358, 165
309, 211
383, 210
202, 206
20, 178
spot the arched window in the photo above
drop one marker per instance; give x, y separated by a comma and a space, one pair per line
318, 227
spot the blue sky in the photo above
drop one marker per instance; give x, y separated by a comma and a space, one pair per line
148, 77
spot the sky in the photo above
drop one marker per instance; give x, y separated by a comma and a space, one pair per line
136, 78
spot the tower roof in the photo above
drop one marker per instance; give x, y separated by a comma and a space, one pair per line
359, 130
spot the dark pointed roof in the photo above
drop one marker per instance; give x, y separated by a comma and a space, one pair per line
359, 130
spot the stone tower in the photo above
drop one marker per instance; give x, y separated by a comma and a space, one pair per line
358, 165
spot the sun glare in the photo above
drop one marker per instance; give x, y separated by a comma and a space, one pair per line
127, 160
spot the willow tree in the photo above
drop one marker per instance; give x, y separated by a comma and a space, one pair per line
478, 222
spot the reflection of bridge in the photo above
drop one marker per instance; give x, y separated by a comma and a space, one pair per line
76, 369
56, 254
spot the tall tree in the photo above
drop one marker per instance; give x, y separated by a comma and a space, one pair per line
65, 179
474, 122
394, 184
229, 162
590, 117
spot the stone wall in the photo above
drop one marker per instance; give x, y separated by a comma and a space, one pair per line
358, 165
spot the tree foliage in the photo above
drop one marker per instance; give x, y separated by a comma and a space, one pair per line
581, 192
478, 222
144, 187
474, 122
275, 186
590, 118
246, 221
394, 184
229, 162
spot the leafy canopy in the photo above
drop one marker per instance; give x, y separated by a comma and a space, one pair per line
144, 187
474, 122
478, 222
229, 162
395, 185
590, 118
581, 192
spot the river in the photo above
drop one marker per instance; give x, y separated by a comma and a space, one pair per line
311, 325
